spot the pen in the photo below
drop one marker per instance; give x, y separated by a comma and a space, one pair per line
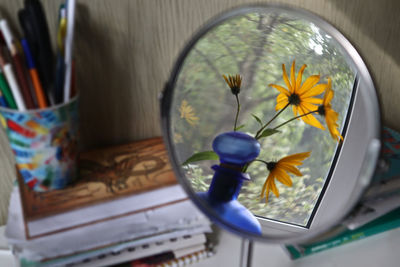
34, 75
5, 89
2, 100
17, 64
59, 84
36, 30
62, 29
60, 66
12, 82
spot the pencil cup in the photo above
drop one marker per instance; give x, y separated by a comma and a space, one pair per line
44, 143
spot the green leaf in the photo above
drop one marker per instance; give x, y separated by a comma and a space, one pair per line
257, 119
268, 132
239, 127
205, 155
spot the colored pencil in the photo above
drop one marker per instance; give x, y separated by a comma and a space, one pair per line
12, 82
5, 89
41, 98
10, 41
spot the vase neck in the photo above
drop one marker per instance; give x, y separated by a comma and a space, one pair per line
226, 184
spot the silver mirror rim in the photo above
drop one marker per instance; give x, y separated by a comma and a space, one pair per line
368, 90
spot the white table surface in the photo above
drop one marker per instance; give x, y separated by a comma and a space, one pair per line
382, 250
6, 258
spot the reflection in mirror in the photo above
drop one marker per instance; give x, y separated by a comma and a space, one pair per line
256, 45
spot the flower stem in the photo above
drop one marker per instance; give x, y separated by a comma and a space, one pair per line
305, 114
273, 118
260, 160
237, 112
246, 166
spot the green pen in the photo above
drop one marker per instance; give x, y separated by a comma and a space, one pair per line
5, 89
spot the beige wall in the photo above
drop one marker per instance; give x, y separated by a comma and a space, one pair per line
126, 49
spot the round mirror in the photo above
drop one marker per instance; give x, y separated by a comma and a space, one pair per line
272, 123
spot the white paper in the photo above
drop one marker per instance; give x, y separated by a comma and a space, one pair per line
179, 216
107, 209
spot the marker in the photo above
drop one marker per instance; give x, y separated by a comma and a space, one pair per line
10, 41
5, 89
12, 82
34, 75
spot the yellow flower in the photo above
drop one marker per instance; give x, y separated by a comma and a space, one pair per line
330, 115
279, 170
178, 138
300, 96
234, 82
188, 113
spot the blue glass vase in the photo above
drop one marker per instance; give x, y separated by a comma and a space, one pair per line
235, 150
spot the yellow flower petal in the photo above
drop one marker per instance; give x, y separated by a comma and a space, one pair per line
328, 97
265, 185
281, 97
295, 110
297, 157
307, 107
226, 80
310, 82
290, 168
311, 120
281, 89
283, 177
316, 90
293, 162
281, 102
273, 188
292, 76
300, 76
331, 117
312, 100
286, 79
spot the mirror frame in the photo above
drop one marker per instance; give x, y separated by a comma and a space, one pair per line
362, 132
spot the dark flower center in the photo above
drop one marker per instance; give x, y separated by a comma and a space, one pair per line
235, 90
321, 110
271, 165
294, 99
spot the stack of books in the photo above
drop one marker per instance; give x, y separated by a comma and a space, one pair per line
125, 206
378, 210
